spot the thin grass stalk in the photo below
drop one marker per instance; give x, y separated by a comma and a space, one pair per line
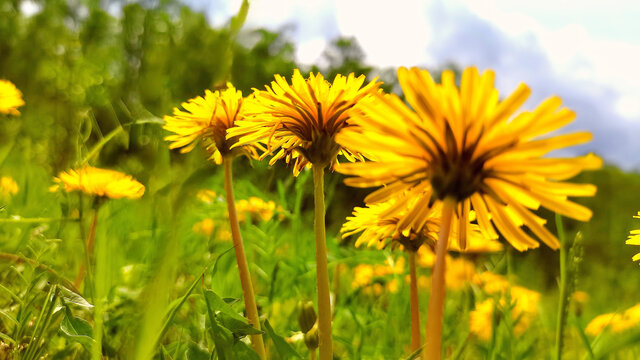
414, 303
241, 259
325, 345
91, 237
563, 303
435, 313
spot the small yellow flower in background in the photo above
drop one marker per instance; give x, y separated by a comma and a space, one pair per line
300, 121
364, 274
524, 311
580, 297
459, 273
10, 98
207, 119
100, 182
206, 196
224, 235
466, 145
204, 227
8, 187
257, 209
615, 322
634, 239
491, 283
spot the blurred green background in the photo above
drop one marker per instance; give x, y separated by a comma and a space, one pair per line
93, 80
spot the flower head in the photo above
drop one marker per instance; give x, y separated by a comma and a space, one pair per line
10, 98
207, 119
634, 239
300, 121
378, 224
466, 145
101, 182
615, 322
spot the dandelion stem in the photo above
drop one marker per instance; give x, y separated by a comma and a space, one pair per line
436, 300
414, 301
325, 346
241, 259
91, 237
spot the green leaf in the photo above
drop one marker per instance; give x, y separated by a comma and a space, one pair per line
238, 327
222, 337
283, 348
194, 352
71, 297
77, 330
245, 352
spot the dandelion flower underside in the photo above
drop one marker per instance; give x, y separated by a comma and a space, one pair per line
467, 145
100, 182
10, 98
299, 121
207, 119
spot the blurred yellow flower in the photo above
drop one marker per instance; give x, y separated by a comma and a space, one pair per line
615, 322
634, 239
204, 227
524, 310
580, 297
257, 209
100, 182
491, 283
364, 274
206, 196
208, 119
466, 145
459, 273
224, 235
10, 98
301, 120
8, 187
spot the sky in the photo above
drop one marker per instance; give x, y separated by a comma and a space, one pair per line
587, 52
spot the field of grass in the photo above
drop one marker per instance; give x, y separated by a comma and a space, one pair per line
162, 280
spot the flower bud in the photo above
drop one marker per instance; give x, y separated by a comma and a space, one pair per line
307, 316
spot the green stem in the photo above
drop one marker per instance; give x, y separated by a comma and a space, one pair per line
435, 313
562, 304
414, 303
325, 346
86, 266
241, 259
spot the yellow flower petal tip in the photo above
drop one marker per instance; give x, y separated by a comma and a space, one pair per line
10, 98
99, 182
466, 144
299, 121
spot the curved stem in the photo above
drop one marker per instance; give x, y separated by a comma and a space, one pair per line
241, 259
436, 300
414, 302
325, 345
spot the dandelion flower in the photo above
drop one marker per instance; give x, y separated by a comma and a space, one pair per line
8, 187
207, 119
301, 120
378, 225
615, 322
100, 182
466, 145
634, 239
10, 98
204, 227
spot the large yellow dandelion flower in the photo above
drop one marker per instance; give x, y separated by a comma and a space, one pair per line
465, 145
301, 120
634, 238
10, 98
207, 119
100, 182
615, 322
